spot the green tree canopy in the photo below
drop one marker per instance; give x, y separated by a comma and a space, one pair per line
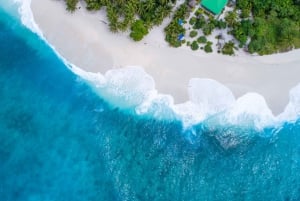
138, 30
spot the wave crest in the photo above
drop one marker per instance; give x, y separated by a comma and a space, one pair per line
27, 16
132, 88
292, 110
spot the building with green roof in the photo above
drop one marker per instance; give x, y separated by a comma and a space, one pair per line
214, 6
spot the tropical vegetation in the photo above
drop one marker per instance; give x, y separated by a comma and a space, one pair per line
207, 47
121, 14
174, 29
258, 26
71, 5
194, 45
228, 48
138, 30
202, 39
271, 25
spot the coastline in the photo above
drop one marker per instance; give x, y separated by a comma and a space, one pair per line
86, 41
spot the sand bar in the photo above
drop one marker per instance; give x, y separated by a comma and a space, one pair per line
84, 39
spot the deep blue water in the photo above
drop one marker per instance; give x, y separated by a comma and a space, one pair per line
61, 141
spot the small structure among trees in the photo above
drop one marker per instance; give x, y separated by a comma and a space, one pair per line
214, 6
192, 3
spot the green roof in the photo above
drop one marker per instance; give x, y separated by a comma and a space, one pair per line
214, 6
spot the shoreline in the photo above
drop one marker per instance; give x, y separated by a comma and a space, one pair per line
86, 41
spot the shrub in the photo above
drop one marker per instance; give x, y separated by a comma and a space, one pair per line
199, 12
207, 47
200, 22
208, 28
231, 18
138, 30
194, 45
214, 22
221, 24
93, 5
245, 13
192, 21
202, 39
173, 30
193, 33
228, 48
71, 5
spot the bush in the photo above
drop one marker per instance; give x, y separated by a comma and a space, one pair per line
199, 12
208, 28
93, 5
200, 22
194, 45
71, 5
228, 48
221, 24
202, 39
138, 30
242, 31
192, 21
231, 18
207, 47
245, 13
173, 30
193, 33
214, 22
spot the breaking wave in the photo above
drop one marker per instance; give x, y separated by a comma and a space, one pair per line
131, 88
60, 140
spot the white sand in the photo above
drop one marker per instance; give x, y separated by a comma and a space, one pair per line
85, 40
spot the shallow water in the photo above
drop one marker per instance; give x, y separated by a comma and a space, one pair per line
59, 140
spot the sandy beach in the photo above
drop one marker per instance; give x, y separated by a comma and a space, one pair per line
84, 39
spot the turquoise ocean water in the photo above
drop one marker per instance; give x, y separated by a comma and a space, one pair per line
60, 141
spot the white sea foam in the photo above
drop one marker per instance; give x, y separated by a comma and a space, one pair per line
125, 88
27, 16
27, 19
130, 88
206, 97
292, 110
251, 108
133, 88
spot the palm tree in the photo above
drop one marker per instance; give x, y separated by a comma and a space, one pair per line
149, 5
163, 2
228, 48
231, 18
140, 9
112, 17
